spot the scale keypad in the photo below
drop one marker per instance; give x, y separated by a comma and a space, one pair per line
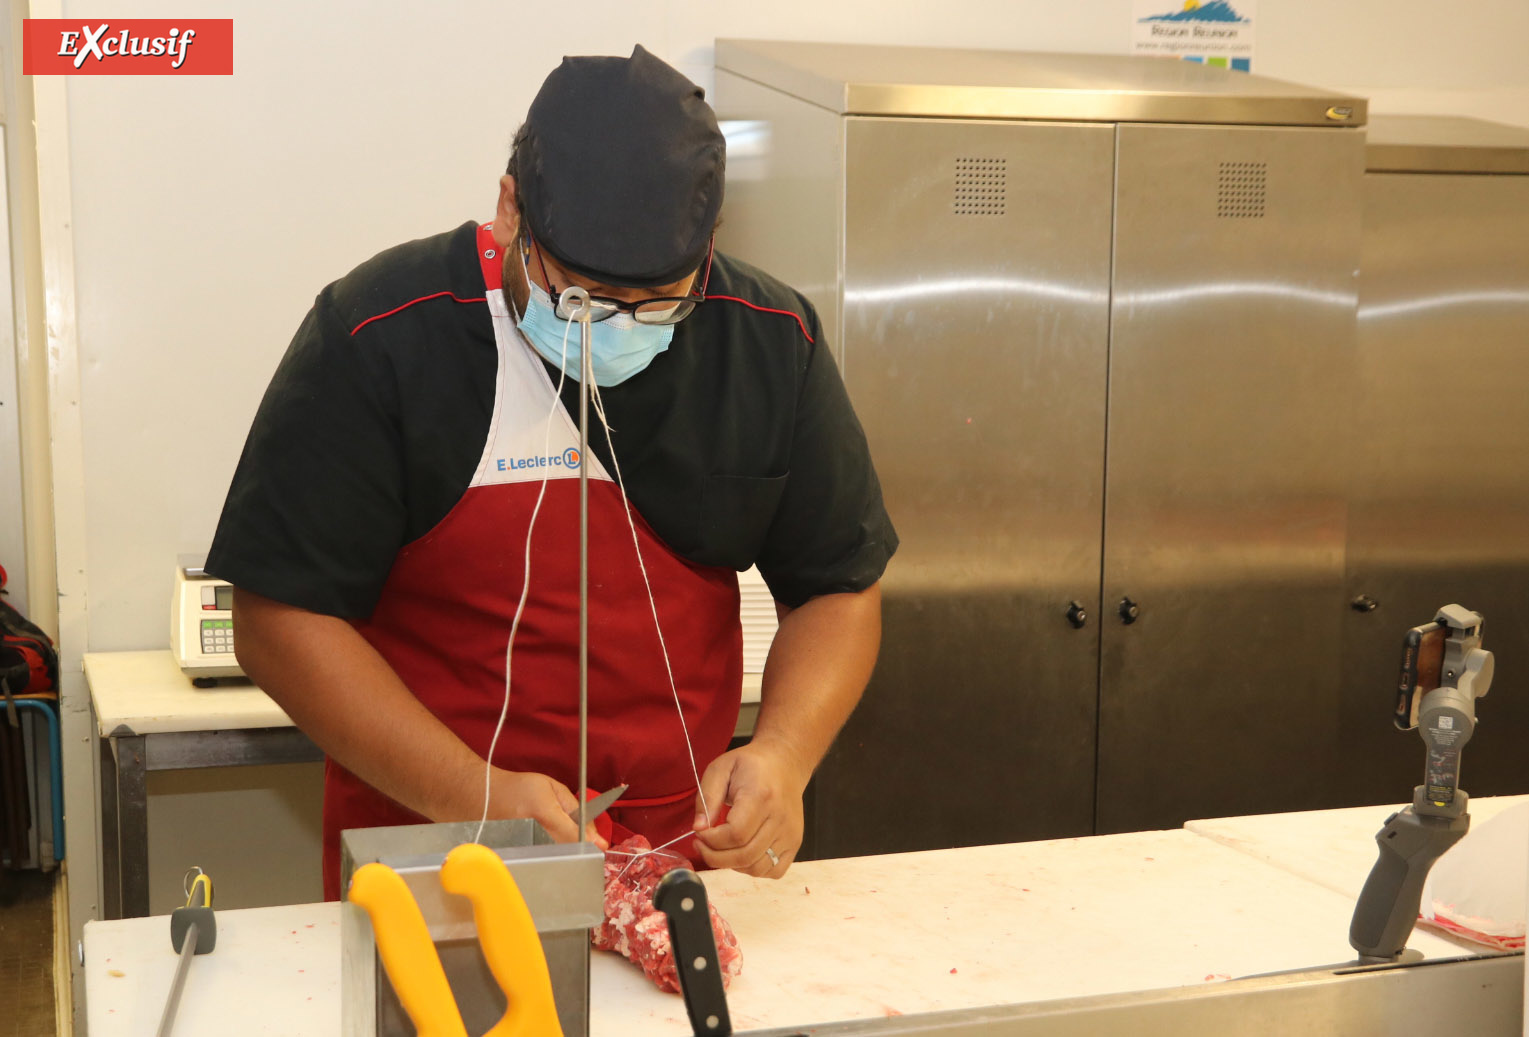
218, 637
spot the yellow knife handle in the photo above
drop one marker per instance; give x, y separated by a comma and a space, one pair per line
408, 954
507, 936
202, 882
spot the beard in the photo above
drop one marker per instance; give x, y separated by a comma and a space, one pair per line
515, 289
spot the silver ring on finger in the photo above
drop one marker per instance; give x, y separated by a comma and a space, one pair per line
774, 857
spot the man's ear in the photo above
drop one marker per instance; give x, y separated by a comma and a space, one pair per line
506, 214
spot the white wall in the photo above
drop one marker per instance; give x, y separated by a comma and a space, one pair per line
208, 211
12, 536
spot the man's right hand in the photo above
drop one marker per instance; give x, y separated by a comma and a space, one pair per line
527, 794
344, 696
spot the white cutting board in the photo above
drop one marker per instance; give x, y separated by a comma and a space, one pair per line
874, 936
1333, 848
947, 929
147, 693
274, 971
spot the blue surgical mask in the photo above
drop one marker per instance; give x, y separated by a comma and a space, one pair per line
619, 346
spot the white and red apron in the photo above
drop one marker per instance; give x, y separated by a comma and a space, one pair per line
444, 616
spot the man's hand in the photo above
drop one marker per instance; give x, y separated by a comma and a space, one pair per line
346, 697
527, 794
818, 666
763, 786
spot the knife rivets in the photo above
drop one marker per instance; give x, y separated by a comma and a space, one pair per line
712, 1022
699, 964
687, 904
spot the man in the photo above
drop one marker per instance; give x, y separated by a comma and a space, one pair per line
408, 496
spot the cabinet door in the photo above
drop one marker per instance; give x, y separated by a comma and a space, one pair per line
1231, 364
975, 315
1440, 503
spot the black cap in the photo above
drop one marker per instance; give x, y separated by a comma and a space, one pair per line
620, 167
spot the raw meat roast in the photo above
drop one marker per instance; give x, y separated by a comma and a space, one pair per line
637, 930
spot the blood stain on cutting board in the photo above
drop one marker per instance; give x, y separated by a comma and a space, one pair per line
816, 989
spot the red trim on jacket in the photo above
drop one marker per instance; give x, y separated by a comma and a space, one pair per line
411, 302
766, 309
489, 258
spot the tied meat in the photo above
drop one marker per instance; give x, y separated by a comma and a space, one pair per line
637, 930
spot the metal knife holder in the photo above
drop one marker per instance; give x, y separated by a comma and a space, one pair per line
563, 885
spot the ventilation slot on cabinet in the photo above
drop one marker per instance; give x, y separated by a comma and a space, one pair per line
1241, 190
981, 185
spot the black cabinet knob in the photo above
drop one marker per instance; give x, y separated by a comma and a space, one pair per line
1129, 611
1364, 603
1077, 615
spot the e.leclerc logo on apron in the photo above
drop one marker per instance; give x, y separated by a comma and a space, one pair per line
567, 459
128, 47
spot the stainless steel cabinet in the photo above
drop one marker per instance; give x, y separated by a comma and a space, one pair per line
1097, 316
975, 332
1439, 507
1231, 357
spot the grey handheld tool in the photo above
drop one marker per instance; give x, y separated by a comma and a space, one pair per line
193, 931
1444, 671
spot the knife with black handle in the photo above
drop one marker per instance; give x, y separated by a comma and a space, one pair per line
682, 898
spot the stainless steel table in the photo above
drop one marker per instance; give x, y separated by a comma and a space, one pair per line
149, 717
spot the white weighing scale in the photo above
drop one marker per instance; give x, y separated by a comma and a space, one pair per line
202, 624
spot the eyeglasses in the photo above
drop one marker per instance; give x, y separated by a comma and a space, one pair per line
662, 310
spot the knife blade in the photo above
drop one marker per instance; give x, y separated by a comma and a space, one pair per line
597, 806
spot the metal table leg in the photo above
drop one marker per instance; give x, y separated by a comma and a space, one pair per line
111, 854
133, 824
124, 794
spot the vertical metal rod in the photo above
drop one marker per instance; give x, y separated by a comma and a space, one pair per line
579, 300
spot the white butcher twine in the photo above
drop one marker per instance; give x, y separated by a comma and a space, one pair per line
525, 590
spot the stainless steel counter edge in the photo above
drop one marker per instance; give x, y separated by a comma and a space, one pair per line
1444, 144
1473, 995
1120, 88
1439, 158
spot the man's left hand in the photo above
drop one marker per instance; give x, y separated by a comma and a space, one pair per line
762, 785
